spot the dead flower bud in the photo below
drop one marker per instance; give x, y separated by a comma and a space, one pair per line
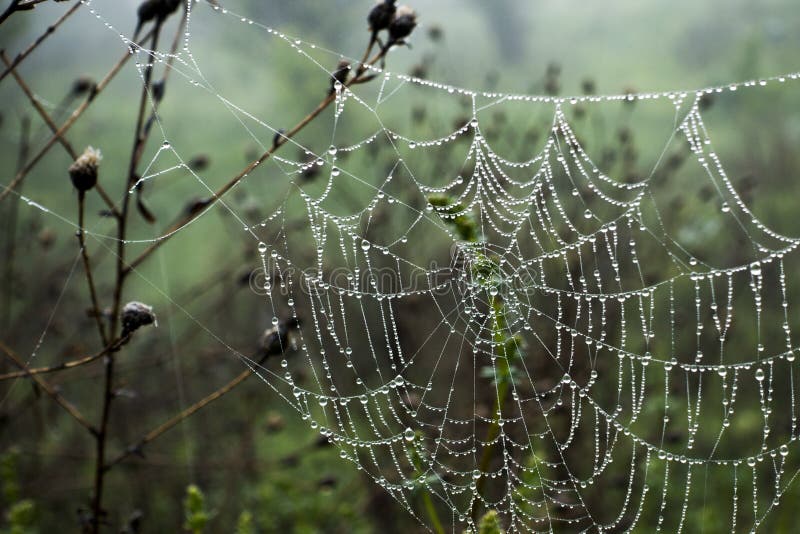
275, 423
82, 85
419, 71
404, 22
630, 96
156, 9
195, 206
322, 442
327, 482
135, 315
199, 162
275, 340
277, 139
83, 171
46, 238
551, 86
339, 75
157, 90
705, 101
381, 15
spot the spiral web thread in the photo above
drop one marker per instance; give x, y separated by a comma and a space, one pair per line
624, 404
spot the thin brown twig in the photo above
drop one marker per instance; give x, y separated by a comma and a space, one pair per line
281, 140
136, 447
39, 40
115, 345
50, 390
140, 139
87, 267
53, 127
67, 124
11, 229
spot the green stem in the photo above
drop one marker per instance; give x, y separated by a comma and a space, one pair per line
427, 501
432, 514
502, 393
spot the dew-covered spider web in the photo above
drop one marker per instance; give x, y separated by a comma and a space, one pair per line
497, 312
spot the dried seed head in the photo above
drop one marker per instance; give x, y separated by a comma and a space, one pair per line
196, 205
275, 340
135, 315
46, 238
157, 90
148, 10
328, 482
630, 96
275, 422
705, 102
83, 171
381, 15
82, 85
199, 162
404, 22
277, 140
419, 71
339, 75
156, 9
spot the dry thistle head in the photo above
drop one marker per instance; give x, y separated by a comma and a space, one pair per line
404, 22
381, 15
83, 171
275, 340
630, 96
199, 162
135, 315
156, 9
82, 85
157, 90
339, 75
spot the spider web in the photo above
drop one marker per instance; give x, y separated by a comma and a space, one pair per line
609, 362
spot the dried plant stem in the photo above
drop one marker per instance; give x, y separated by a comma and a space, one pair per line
282, 140
136, 447
39, 40
50, 390
11, 229
114, 346
140, 139
67, 124
87, 267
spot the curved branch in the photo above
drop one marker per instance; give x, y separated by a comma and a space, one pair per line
113, 347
